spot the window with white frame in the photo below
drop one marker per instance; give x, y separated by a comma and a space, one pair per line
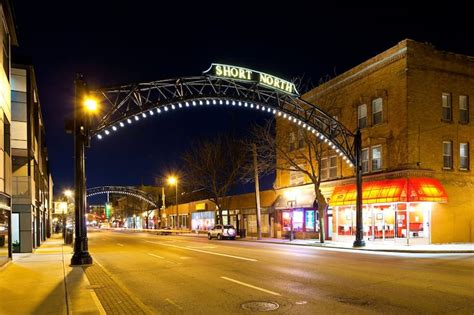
296, 176
333, 166
324, 168
365, 160
376, 158
447, 108
362, 116
463, 109
447, 154
464, 156
377, 111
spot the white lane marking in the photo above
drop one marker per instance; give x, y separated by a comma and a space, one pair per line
250, 286
155, 256
301, 302
173, 303
202, 247
184, 257
118, 244
204, 251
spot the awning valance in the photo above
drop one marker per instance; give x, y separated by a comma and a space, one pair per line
391, 190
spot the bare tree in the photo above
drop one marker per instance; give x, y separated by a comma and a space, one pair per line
293, 149
214, 167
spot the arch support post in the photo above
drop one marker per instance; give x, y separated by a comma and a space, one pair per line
359, 241
81, 254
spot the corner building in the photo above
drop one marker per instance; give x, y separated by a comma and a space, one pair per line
412, 105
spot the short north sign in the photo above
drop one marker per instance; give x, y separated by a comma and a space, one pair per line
244, 74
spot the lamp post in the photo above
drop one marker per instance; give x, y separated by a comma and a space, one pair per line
83, 107
68, 194
172, 180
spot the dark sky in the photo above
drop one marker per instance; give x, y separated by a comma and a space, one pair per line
150, 40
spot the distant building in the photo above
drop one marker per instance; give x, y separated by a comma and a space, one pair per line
8, 38
32, 181
412, 105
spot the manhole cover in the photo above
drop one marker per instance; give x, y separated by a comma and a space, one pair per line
260, 306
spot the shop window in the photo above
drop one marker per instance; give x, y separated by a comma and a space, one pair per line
286, 218
463, 109
362, 116
365, 160
309, 220
298, 220
377, 111
447, 108
376, 158
447, 154
464, 156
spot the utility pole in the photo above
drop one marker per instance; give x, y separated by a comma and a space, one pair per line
81, 248
359, 241
257, 192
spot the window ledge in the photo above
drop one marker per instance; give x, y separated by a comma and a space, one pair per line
450, 121
450, 169
463, 122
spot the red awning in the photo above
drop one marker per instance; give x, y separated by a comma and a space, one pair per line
391, 190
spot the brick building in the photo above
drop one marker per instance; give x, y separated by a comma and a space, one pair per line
412, 105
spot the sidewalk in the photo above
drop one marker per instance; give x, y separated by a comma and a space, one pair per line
44, 283
370, 245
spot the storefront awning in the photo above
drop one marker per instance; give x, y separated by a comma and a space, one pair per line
391, 190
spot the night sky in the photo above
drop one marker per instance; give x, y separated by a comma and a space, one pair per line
150, 40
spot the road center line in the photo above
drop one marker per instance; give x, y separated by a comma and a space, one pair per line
250, 286
155, 256
204, 251
118, 244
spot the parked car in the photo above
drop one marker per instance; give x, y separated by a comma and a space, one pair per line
222, 231
164, 231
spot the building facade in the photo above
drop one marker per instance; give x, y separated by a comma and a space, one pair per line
8, 38
411, 104
32, 181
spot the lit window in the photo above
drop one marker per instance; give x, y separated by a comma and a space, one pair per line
376, 158
324, 168
377, 111
298, 220
365, 160
464, 156
463, 109
447, 113
309, 220
296, 176
447, 154
333, 166
362, 116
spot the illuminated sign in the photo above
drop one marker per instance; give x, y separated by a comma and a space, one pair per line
244, 74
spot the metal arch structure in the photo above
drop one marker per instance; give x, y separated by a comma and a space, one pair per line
122, 190
129, 103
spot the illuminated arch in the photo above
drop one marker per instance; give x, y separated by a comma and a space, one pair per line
133, 102
121, 190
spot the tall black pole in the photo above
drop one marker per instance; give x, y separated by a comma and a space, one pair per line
81, 248
359, 241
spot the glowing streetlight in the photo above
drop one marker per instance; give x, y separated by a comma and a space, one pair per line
90, 104
68, 193
173, 180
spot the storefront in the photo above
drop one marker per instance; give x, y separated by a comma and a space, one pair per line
202, 220
394, 210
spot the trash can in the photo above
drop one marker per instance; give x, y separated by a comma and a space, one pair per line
68, 238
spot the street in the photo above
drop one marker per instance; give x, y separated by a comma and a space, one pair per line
192, 275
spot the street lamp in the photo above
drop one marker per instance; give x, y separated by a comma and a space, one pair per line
83, 108
173, 180
68, 193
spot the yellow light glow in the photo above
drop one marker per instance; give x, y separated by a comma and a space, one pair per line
68, 193
91, 104
172, 180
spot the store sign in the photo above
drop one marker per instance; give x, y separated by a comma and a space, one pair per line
244, 74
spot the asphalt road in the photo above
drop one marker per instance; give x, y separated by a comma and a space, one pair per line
191, 275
